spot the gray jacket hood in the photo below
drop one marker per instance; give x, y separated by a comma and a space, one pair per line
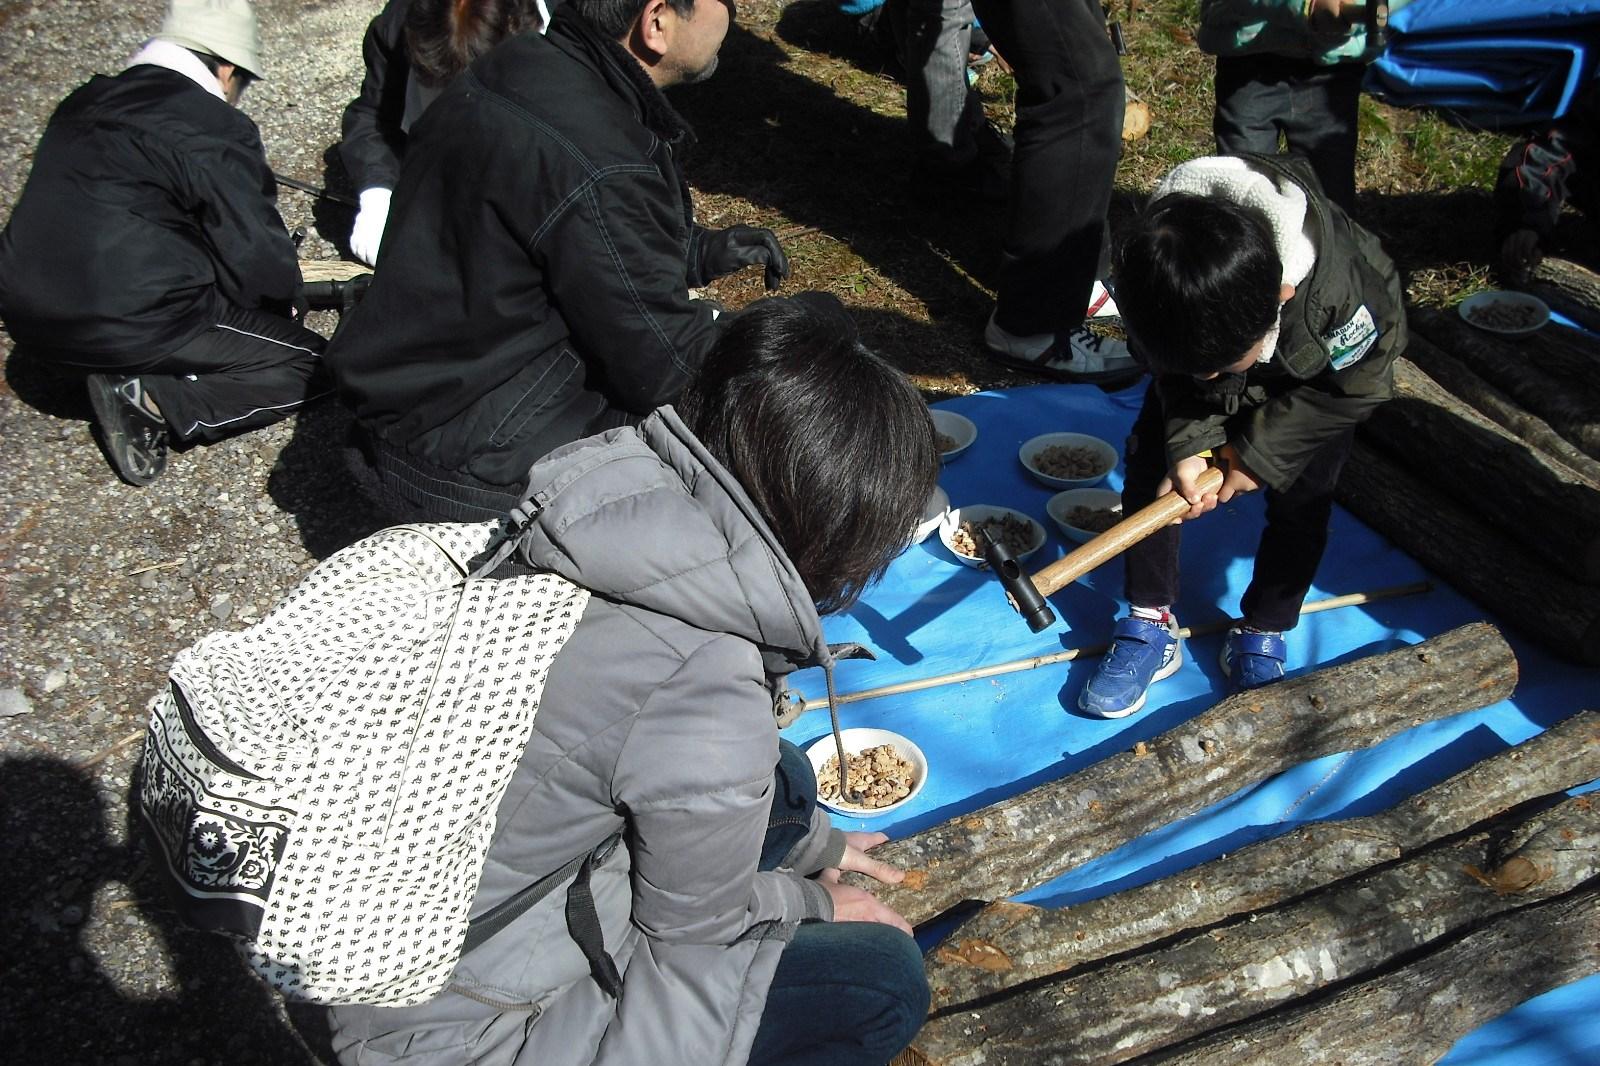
715, 564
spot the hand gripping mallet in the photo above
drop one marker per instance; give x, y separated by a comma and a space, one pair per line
1028, 594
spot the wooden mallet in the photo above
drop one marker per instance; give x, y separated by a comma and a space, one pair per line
1027, 593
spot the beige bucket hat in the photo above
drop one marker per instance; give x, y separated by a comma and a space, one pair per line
224, 28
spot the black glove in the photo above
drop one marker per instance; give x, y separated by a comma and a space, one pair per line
725, 250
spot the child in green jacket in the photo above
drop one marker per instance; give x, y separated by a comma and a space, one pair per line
1270, 323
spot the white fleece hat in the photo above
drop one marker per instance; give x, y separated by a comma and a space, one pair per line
223, 28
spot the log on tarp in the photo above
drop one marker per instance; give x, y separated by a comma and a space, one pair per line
1542, 505
1508, 364
1006, 945
331, 270
1440, 532
1494, 404
1569, 288
1140, 1003
1011, 846
1423, 1008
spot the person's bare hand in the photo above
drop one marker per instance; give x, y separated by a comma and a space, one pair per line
1237, 477
851, 904
1182, 479
856, 846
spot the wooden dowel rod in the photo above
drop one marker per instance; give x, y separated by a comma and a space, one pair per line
976, 673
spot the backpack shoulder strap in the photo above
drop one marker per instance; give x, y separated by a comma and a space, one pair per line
582, 920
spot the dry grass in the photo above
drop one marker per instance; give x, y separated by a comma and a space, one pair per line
803, 130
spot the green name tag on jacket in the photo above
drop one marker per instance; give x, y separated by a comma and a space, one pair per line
1348, 343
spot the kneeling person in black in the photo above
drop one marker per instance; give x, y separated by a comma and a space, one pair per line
147, 249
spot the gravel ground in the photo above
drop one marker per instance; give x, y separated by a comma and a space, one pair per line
103, 582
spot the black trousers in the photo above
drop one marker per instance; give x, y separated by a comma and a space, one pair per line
248, 370
1316, 108
1068, 136
1291, 546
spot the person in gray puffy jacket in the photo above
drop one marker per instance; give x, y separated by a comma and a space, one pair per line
709, 542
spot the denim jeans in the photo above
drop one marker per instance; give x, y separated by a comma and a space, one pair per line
1068, 136
1291, 546
1314, 106
845, 993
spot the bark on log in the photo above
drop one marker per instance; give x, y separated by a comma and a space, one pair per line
1026, 840
1006, 945
1138, 1004
1547, 606
1569, 288
1533, 500
1489, 401
1426, 1007
1507, 364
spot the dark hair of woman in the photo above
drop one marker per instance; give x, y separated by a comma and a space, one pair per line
614, 17
443, 37
832, 444
1197, 282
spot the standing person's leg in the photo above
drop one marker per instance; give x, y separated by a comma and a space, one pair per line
1293, 541
1292, 544
1323, 124
1068, 137
1150, 567
1144, 646
942, 111
844, 994
1252, 102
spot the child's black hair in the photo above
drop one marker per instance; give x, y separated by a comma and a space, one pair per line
1197, 283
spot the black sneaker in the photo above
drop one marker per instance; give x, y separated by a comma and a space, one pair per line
135, 440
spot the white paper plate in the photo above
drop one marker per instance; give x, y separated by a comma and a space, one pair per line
979, 512
1029, 453
856, 741
1532, 311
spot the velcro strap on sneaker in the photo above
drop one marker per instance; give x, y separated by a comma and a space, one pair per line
1266, 645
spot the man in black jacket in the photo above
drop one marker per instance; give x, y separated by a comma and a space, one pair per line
533, 279
147, 247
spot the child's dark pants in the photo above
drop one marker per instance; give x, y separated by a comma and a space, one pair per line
1291, 544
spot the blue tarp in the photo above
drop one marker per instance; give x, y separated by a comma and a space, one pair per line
993, 738
1495, 63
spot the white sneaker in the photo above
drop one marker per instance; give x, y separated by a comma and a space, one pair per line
1079, 356
1101, 305
1014, 346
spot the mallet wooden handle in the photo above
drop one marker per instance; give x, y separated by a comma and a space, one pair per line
1120, 537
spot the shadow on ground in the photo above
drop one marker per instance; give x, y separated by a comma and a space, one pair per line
58, 1005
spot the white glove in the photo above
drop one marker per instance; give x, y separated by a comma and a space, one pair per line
367, 234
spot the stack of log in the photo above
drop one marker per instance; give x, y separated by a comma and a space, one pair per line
1486, 465
1377, 940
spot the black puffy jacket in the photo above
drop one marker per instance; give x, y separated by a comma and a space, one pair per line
150, 201
533, 282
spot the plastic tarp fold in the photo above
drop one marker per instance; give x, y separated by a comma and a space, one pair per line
1494, 63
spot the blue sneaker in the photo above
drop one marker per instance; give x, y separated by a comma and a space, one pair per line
1141, 653
1250, 660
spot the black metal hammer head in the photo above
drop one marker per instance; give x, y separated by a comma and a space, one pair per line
1018, 585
